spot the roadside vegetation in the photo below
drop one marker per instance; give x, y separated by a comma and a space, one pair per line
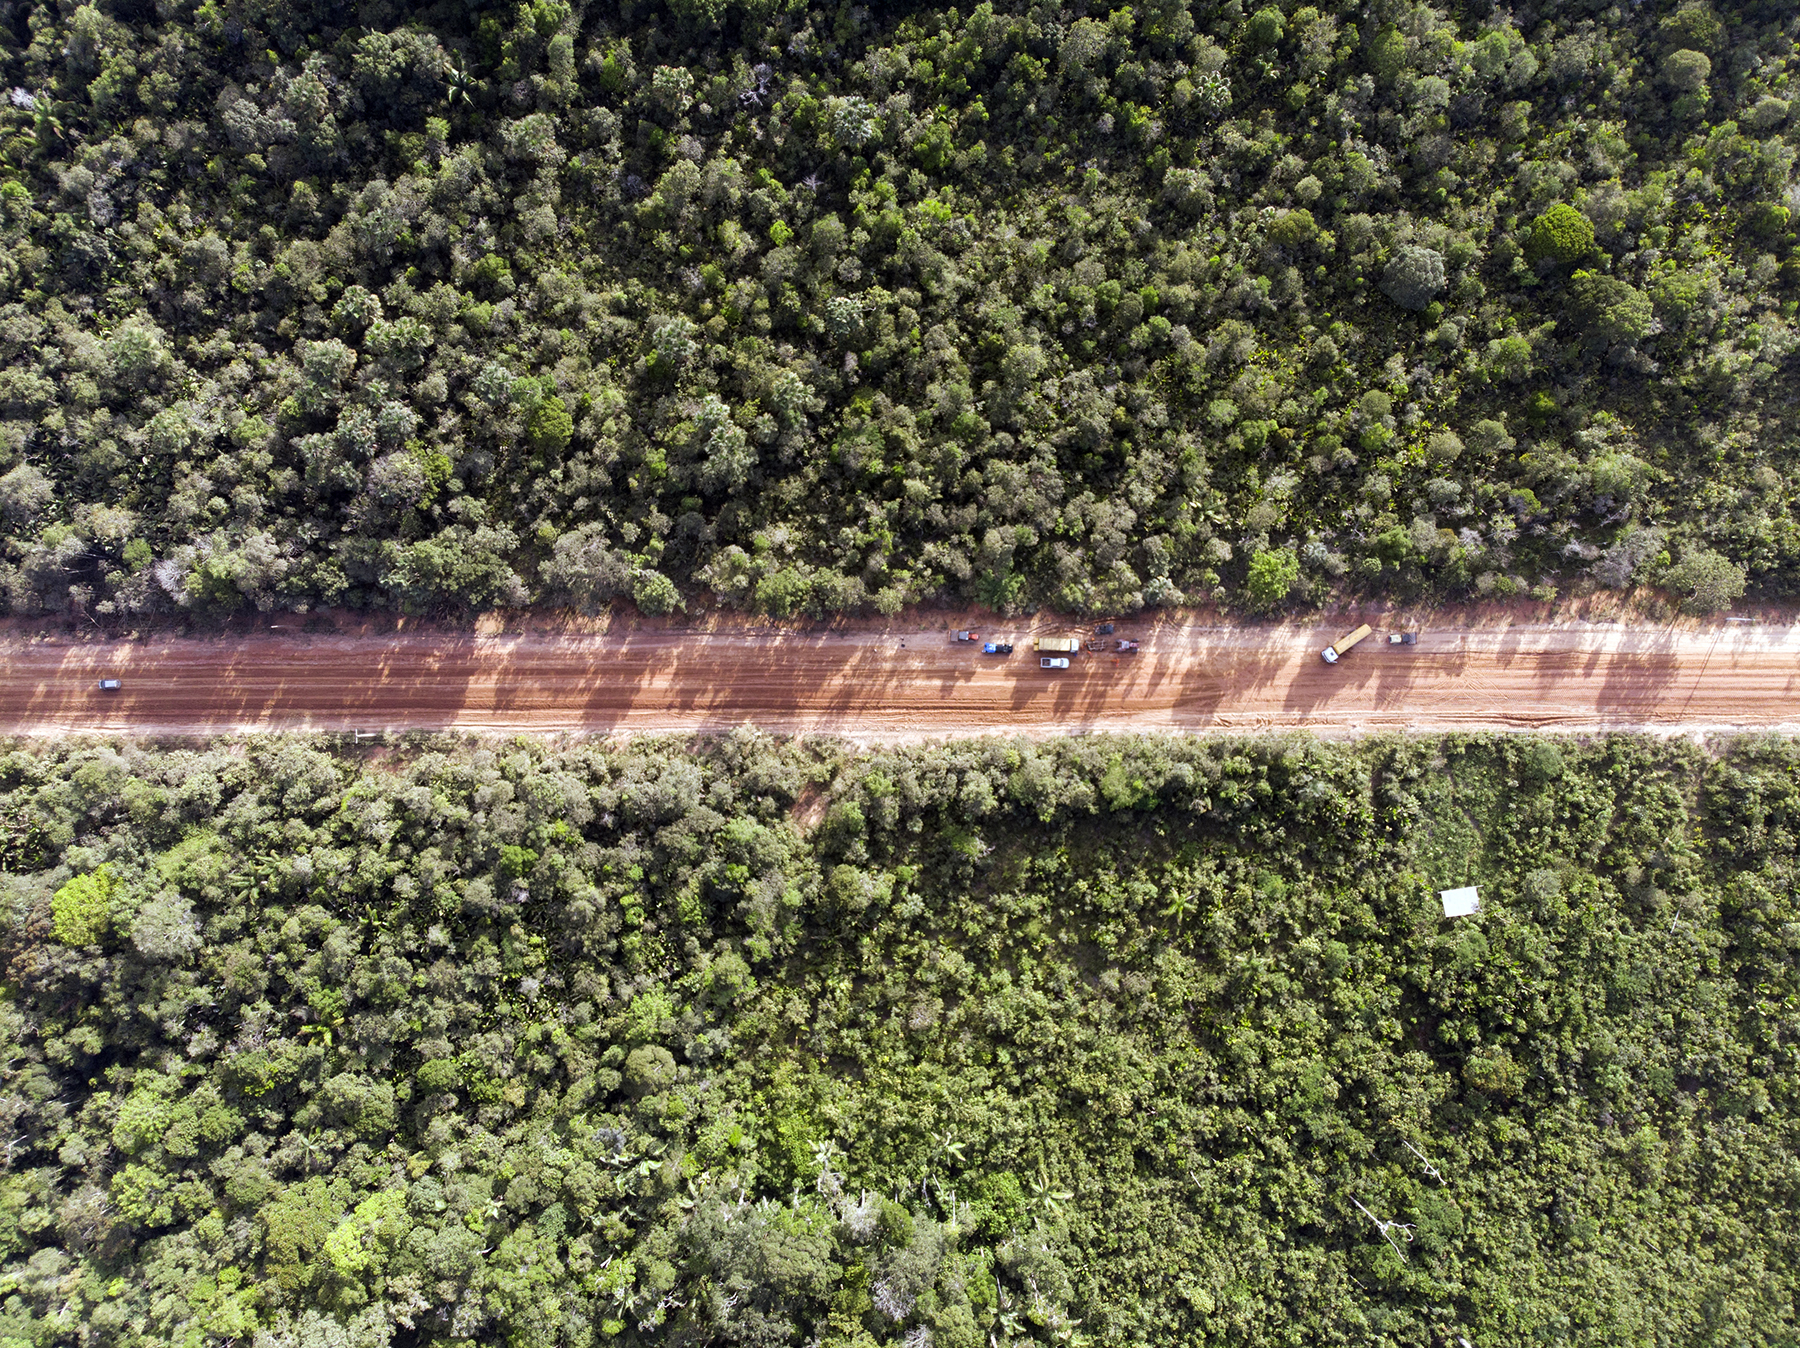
1113, 1041
835, 308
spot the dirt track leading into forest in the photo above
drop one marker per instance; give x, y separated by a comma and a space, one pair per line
862, 684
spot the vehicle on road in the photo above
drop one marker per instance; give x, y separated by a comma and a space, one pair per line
1125, 646
966, 636
1054, 662
110, 685
1103, 629
997, 648
1067, 645
1403, 638
1343, 644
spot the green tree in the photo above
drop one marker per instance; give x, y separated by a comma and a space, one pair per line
1706, 581
1509, 358
1611, 311
1265, 28
1388, 55
1686, 72
655, 594
295, 1229
25, 492
551, 426
516, 862
1273, 574
1414, 276
1693, 25
1290, 229
782, 593
700, 14
81, 910
1561, 234
585, 570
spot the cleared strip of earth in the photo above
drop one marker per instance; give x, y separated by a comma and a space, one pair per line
864, 685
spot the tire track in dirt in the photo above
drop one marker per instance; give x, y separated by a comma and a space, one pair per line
864, 685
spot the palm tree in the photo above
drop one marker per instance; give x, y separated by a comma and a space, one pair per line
1050, 1200
1180, 907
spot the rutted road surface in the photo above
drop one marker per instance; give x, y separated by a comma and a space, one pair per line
865, 685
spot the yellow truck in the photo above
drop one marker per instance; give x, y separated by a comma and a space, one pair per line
1064, 645
1343, 644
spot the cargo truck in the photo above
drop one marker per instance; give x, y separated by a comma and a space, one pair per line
1067, 645
1343, 644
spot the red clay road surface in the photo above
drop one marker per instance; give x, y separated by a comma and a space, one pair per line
864, 685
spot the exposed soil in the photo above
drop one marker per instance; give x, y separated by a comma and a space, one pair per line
860, 681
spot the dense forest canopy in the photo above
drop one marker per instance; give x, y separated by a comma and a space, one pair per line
1109, 1042
826, 308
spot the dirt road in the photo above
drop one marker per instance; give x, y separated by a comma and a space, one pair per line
865, 685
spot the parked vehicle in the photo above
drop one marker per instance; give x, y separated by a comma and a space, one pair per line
967, 636
997, 648
110, 685
1126, 646
1103, 629
1095, 644
1067, 645
1054, 662
1403, 638
1343, 644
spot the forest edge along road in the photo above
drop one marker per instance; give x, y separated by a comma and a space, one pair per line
865, 685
